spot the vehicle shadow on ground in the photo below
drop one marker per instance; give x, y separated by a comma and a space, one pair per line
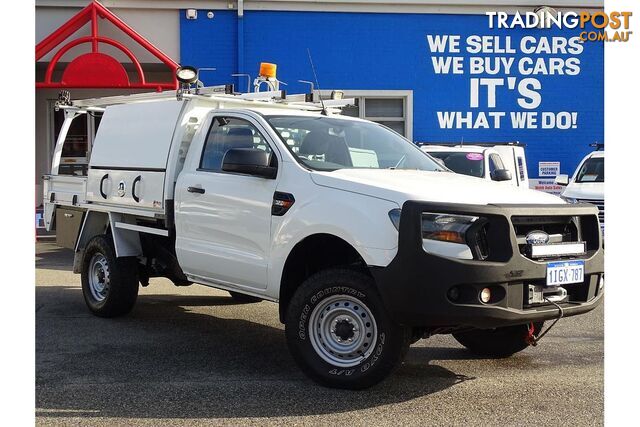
168, 359
51, 257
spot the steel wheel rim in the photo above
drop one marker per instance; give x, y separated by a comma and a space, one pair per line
99, 277
343, 331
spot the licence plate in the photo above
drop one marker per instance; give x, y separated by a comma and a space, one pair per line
565, 272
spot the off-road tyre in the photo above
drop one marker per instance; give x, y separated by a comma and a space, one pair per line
119, 276
351, 303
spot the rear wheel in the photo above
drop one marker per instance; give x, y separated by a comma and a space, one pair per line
109, 284
498, 342
339, 333
243, 298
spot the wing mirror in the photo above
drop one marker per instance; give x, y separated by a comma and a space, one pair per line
562, 180
249, 161
501, 175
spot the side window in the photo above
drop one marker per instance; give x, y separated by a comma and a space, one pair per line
226, 133
495, 163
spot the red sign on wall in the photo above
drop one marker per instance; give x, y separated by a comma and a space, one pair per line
97, 69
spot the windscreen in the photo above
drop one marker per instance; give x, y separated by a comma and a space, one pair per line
592, 170
325, 143
471, 164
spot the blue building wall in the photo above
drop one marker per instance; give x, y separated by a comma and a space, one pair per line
391, 51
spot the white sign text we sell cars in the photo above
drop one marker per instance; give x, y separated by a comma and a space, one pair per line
499, 68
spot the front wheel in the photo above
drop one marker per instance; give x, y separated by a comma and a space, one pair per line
339, 332
498, 342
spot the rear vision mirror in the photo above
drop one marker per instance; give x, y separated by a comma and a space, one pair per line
249, 161
501, 175
562, 179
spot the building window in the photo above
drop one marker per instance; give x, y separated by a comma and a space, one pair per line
392, 108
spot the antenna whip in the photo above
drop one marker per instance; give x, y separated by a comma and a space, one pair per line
315, 77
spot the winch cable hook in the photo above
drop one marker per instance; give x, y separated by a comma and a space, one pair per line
531, 337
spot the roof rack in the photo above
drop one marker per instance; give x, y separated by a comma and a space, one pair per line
221, 93
191, 87
145, 96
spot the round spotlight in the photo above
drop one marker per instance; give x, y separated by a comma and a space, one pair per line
485, 295
187, 74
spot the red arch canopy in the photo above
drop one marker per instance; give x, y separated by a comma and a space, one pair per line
96, 69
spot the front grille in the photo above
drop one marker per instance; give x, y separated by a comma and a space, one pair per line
599, 204
561, 229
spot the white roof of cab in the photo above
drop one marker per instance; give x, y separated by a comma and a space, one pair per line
292, 111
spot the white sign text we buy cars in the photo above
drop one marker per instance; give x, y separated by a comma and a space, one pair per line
500, 67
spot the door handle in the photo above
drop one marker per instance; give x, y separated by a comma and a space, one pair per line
102, 193
133, 188
198, 190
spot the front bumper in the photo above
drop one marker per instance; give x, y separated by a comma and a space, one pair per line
415, 286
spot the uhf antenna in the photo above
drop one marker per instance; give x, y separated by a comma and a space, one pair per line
315, 77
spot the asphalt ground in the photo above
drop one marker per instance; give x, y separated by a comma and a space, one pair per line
192, 356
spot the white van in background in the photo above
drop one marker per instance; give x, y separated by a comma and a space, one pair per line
494, 162
587, 183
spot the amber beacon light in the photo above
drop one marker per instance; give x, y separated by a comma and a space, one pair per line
268, 70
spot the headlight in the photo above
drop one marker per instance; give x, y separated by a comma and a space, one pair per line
442, 227
446, 227
569, 199
445, 234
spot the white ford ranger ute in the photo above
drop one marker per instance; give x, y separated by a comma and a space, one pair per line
366, 242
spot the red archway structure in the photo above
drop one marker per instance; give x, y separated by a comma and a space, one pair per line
96, 69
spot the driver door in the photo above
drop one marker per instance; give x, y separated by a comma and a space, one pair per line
223, 219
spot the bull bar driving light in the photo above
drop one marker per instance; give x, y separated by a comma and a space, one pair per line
557, 249
485, 295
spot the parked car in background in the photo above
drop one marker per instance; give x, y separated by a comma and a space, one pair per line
587, 183
494, 162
